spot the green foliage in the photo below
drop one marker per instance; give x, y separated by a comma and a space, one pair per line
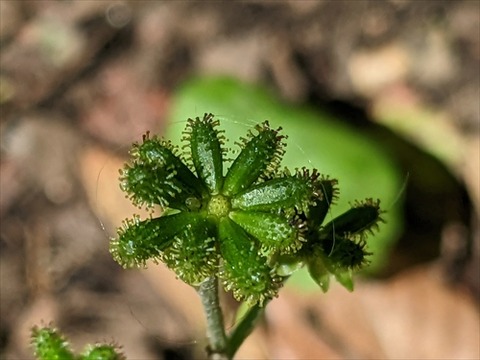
245, 224
49, 344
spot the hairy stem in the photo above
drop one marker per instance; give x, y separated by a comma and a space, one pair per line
217, 338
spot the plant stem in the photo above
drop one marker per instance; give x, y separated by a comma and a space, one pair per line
217, 338
243, 329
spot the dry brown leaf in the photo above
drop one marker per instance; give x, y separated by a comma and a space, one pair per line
412, 316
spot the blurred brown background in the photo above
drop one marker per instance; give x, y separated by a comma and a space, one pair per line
81, 80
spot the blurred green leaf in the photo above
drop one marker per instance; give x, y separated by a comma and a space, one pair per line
315, 139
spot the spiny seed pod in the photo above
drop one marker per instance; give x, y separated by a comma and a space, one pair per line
245, 271
161, 153
137, 241
157, 176
102, 352
318, 211
274, 232
339, 247
288, 191
206, 150
193, 254
259, 157
348, 253
49, 344
363, 217
149, 185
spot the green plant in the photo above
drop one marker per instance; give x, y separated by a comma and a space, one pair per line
49, 344
316, 138
248, 227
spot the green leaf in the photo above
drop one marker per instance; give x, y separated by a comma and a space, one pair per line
321, 268
137, 241
259, 157
288, 264
275, 232
319, 272
345, 278
206, 150
245, 271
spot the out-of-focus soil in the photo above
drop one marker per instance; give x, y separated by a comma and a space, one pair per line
81, 80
